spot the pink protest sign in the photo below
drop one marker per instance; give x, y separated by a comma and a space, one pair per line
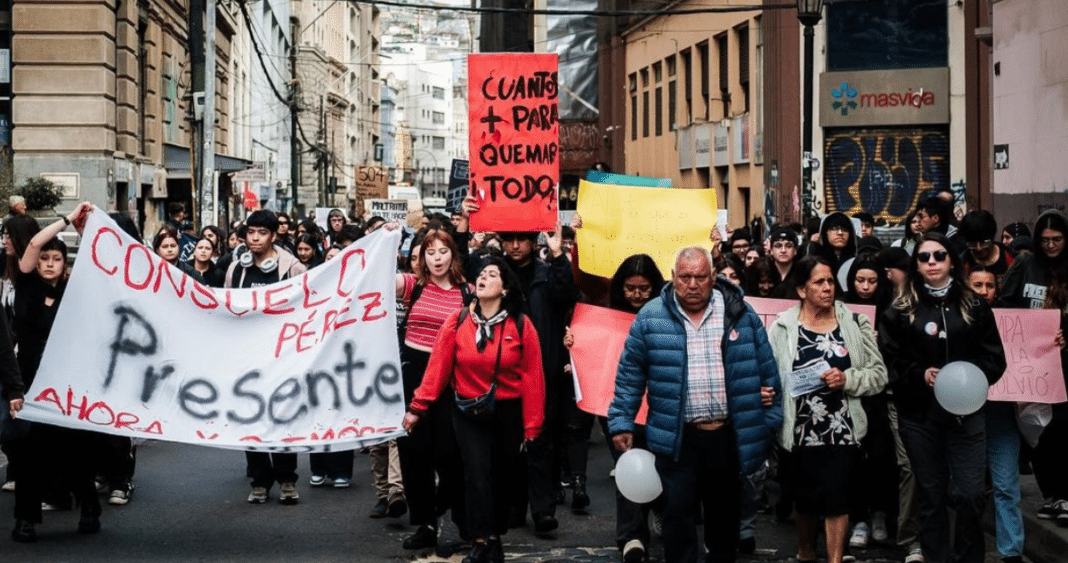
599, 337
1034, 362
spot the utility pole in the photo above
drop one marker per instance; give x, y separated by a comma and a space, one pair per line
207, 163
196, 59
294, 97
320, 158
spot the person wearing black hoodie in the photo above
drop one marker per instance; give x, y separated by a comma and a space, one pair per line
875, 495
550, 294
1039, 280
838, 241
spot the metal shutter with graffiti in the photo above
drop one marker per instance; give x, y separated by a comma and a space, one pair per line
883, 171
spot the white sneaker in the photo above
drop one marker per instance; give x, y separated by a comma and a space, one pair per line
878, 527
915, 556
8, 487
288, 493
860, 536
633, 552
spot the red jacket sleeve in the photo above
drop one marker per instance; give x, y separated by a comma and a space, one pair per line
532, 381
439, 369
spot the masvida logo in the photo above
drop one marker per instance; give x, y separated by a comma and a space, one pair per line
844, 98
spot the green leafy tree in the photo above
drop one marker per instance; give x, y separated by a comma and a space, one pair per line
40, 193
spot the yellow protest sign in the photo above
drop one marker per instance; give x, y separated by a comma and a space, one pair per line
618, 221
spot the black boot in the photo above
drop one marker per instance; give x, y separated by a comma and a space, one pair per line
481, 552
579, 498
88, 524
24, 532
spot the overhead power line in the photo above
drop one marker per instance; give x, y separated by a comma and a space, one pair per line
603, 13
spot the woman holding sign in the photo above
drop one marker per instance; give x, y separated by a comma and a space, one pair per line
936, 319
49, 453
489, 354
828, 359
1039, 280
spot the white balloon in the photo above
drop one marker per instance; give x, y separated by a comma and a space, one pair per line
636, 476
961, 388
843, 275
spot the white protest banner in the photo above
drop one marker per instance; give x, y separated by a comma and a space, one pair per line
138, 349
392, 210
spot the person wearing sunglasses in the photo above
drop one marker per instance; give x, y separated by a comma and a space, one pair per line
979, 229
1039, 280
935, 320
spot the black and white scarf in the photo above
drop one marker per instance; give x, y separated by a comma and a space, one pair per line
939, 292
484, 327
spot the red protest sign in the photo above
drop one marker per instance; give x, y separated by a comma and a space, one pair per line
599, 336
514, 140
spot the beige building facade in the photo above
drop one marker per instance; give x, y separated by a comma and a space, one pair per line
693, 104
100, 100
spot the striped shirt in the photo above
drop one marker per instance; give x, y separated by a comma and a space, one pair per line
429, 312
706, 385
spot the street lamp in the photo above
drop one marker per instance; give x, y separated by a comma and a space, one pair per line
809, 13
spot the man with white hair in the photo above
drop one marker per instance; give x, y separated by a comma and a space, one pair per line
16, 205
713, 395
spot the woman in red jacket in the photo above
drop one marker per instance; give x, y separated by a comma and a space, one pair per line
493, 349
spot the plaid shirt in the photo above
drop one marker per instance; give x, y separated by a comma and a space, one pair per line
706, 385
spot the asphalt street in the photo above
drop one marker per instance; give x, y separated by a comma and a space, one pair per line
190, 505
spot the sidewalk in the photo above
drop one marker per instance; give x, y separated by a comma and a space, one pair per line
1046, 542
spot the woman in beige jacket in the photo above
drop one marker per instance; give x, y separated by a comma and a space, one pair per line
828, 359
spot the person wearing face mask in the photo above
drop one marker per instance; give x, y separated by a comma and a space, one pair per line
1039, 280
936, 320
434, 292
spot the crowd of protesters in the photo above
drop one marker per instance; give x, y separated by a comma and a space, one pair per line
494, 433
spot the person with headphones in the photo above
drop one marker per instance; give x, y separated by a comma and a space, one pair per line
263, 263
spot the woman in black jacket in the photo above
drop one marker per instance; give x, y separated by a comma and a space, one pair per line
936, 320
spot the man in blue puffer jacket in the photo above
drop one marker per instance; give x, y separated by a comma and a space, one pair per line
714, 406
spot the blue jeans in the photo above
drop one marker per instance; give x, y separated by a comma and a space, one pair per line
707, 472
1003, 458
752, 491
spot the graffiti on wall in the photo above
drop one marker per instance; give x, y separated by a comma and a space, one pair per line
884, 171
